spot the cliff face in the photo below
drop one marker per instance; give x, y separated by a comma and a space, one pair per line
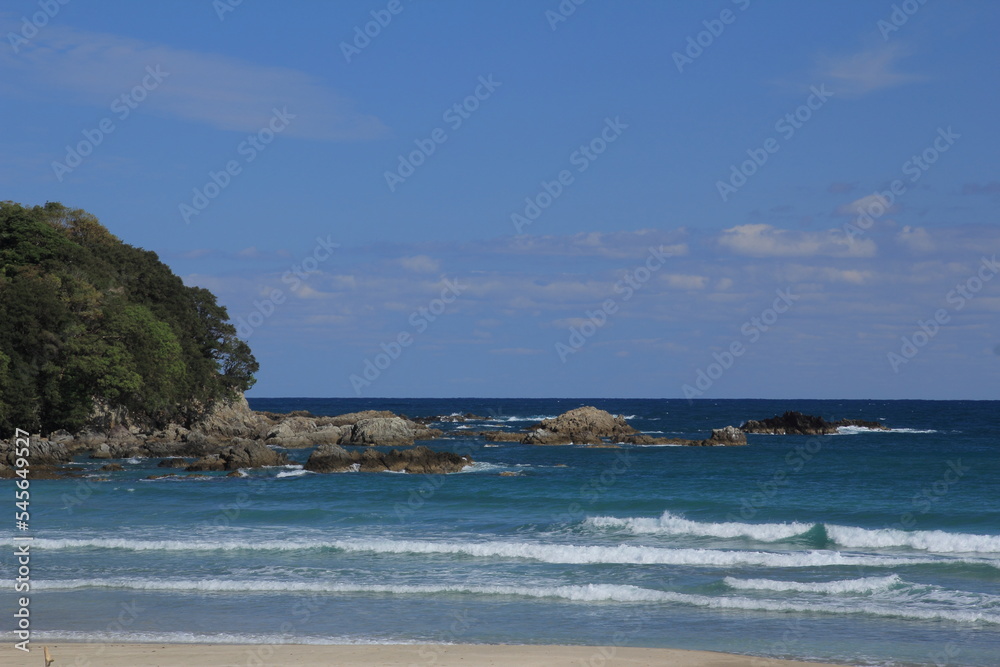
95, 332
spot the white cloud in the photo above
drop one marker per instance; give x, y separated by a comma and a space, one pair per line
686, 282
420, 264
916, 239
616, 245
768, 241
873, 205
816, 277
220, 91
866, 71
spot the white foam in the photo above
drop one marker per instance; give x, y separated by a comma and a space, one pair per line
862, 585
671, 524
483, 466
577, 593
198, 638
856, 430
293, 473
934, 541
547, 553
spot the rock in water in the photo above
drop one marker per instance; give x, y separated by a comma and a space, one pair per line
419, 460
329, 458
796, 423
730, 435
232, 419
388, 431
582, 426
242, 454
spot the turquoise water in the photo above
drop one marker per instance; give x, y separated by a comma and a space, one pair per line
867, 548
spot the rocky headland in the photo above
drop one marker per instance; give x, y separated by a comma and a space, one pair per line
231, 437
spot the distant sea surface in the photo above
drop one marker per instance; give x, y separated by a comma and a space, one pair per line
863, 548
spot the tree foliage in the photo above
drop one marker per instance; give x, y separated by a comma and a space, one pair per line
89, 324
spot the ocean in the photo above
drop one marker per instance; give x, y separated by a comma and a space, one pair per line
863, 548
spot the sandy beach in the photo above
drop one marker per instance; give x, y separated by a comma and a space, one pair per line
465, 655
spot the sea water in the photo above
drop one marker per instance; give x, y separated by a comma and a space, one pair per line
864, 548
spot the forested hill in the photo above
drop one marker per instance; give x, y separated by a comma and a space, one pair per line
92, 326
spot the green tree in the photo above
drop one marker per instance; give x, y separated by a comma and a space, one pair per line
87, 321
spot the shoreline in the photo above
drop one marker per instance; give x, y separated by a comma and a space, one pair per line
440, 655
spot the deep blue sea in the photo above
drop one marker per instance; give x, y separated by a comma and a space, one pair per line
864, 548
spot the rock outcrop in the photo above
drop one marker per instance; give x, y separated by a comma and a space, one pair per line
232, 419
242, 454
796, 423
229, 437
420, 460
388, 431
597, 428
582, 426
728, 436
453, 418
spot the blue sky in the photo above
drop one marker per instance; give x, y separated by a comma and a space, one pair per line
611, 199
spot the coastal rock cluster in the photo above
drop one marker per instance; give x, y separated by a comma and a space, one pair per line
334, 458
591, 426
796, 423
232, 438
